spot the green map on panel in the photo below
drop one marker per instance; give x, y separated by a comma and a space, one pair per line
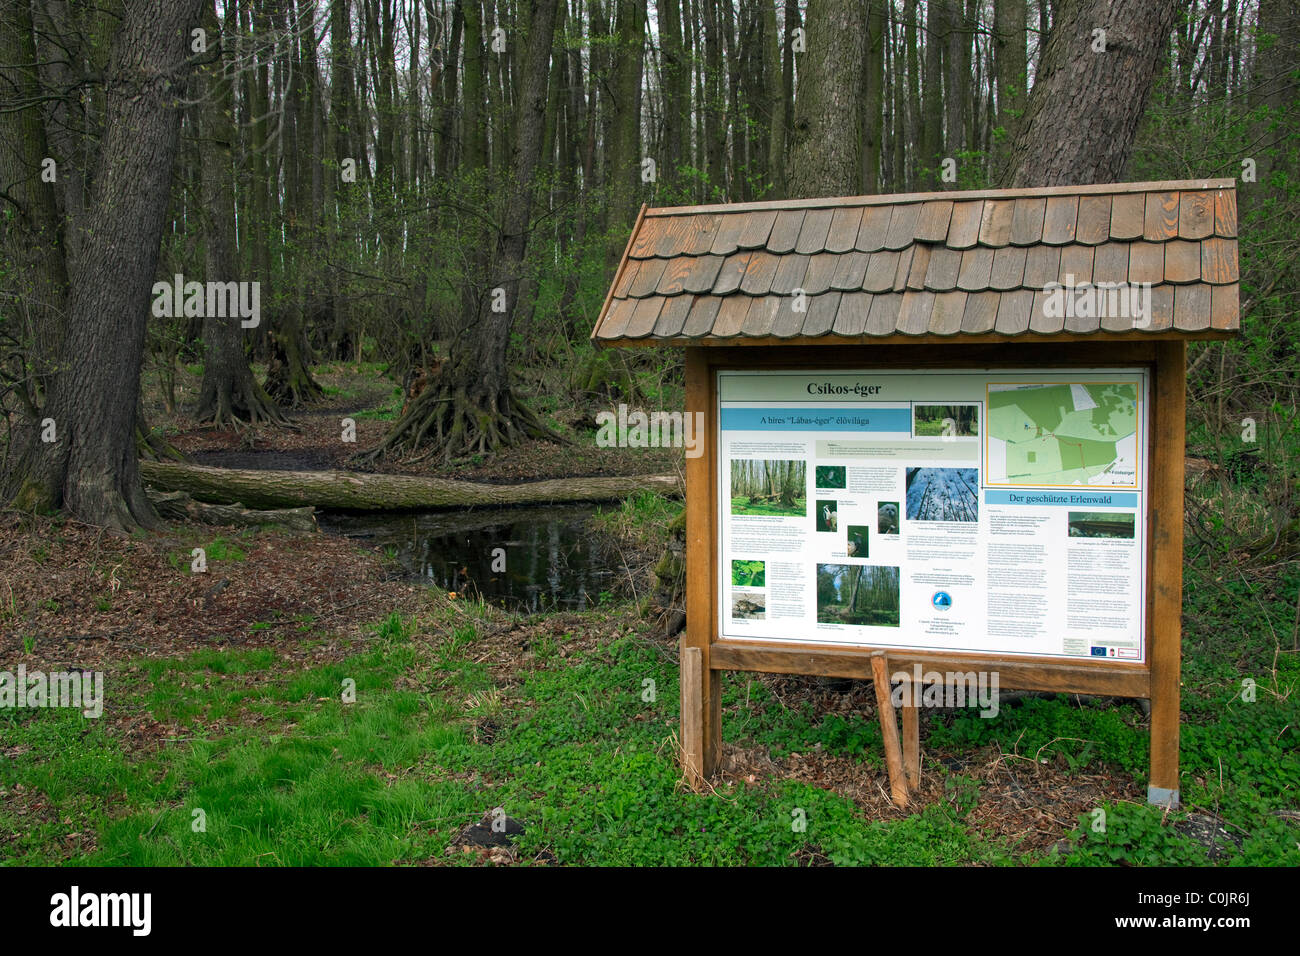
1072, 434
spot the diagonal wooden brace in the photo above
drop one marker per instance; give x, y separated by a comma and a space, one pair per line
889, 730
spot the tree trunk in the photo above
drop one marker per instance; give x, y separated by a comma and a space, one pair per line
896, 181
790, 22
873, 99
262, 186
228, 394
930, 146
337, 195
499, 137
358, 491
774, 98
1082, 116
957, 86
179, 506
450, 71
624, 151
1272, 103
472, 408
677, 101
714, 103
825, 149
288, 374
473, 131
415, 138
912, 101
32, 237
1009, 60
733, 121
91, 470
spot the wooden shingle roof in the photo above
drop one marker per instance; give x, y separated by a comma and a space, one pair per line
958, 265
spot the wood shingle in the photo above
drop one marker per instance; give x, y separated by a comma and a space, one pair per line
975, 265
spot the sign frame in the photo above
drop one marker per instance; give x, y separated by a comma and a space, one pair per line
706, 655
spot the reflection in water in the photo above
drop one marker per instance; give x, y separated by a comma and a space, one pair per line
554, 558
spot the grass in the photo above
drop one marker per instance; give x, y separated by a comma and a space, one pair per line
581, 756
214, 550
644, 519
747, 506
389, 411
267, 763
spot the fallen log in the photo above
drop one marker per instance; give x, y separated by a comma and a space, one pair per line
359, 491
179, 506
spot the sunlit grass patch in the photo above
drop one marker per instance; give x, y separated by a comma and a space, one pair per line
383, 756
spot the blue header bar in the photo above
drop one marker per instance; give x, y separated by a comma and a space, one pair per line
1066, 499
859, 419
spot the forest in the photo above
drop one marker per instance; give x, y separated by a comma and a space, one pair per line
961, 421
761, 486
862, 595
265, 264
442, 188
1101, 524
943, 494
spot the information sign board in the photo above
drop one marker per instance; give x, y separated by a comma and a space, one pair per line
966, 510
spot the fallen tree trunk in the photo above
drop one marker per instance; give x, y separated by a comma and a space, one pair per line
179, 506
364, 492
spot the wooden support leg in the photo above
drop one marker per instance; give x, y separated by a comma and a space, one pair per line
889, 730
692, 726
701, 724
1164, 642
912, 746
701, 727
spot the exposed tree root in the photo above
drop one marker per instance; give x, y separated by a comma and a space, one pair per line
239, 404
292, 391
606, 374
288, 378
455, 422
109, 502
117, 503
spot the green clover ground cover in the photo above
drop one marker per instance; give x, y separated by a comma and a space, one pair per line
284, 772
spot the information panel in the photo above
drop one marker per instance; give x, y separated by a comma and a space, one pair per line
987, 511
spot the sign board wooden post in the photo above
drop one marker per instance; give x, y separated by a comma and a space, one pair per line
832, 531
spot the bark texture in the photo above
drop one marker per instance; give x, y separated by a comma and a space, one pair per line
1082, 115
91, 468
826, 145
1009, 19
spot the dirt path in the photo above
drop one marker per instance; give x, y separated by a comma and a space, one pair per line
76, 596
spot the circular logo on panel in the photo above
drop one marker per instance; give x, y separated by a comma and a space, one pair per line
942, 601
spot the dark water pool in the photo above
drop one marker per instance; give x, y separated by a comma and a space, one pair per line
555, 559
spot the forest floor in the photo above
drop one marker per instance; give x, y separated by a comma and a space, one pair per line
226, 738
373, 402
301, 703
